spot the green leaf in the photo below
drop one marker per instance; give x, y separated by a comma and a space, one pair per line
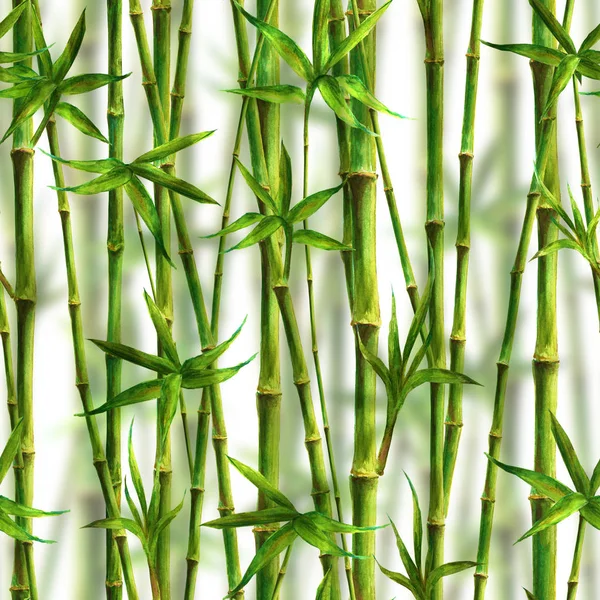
257, 189
579, 224
557, 30
283, 45
559, 245
168, 402
81, 84
10, 528
20, 510
420, 355
265, 486
13, 16
402, 580
320, 34
407, 561
564, 508
312, 535
132, 507
590, 236
17, 74
48, 112
541, 54
143, 205
165, 150
285, 180
375, 362
552, 201
334, 98
569, 456
394, 352
112, 180
562, 76
66, 59
89, 166
258, 517
137, 357
179, 186
355, 37
116, 523
162, 330
278, 94
311, 204
529, 595
318, 240
543, 484
324, 588
19, 90
134, 469
272, 547
10, 450
444, 570
591, 512
147, 390
358, 90
244, 221
434, 375
267, 227
196, 379
208, 357
590, 40
12, 57
325, 523
589, 69
417, 524
161, 525
595, 479
44, 60
79, 120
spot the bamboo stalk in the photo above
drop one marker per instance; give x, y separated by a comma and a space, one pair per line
25, 294
282, 572
115, 246
454, 419
573, 582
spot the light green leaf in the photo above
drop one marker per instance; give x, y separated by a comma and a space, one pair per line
112, 180
311, 204
168, 402
79, 120
165, 150
196, 379
10, 528
434, 376
329, 525
541, 54
117, 523
137, 357
19, 90
66, 59
44, 60
564, 508
318, 240
334, 98
320, 34
529, 595
357, 89
285, 180
162, 330
132, 507
552, 201
267, 227
377, 364
257, 189
258, 517
312, 535
134, 469
595, 479
81, 84
402, 580
20, 510
570, 458
355, 37
160, 526
562, 76
559, 245
591, 39
48, 112
13, 16
10, 450
18, 74
544, 484
278, 94
589, 69
394, 352
444, 570
13, 57
324, 588
417, 524
244, 221
579, 224
557, 30
147, 390
265, 486
420, 355
407, 561
90, 166
591, 512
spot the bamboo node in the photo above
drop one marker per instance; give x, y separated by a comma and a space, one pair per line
299, 382
496, 436
487, 499
163, 7
264, 529
136, 13
535, 497
481, 575
113, 584
197, 490
217, 438
473, 55
177, 95
268, 393
224, 508
466, 155
366, 174
435, 524
20, 467
438, 61
361, 11
458, 338
18, 588
586, 184
185, 30
115, 247
364, 475
74, 303
336, 19
457, 424
148, 82
324, 492
388, 189
183, 251
23, 150
314, 439
546, 360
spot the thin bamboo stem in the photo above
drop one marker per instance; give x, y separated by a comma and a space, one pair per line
282, 572
573, 582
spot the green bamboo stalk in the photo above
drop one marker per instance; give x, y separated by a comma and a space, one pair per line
545, 359
282, 572
195, 289
268, 393
115, 246
454, 420
25, 291
19, 569
179, 82
573, 582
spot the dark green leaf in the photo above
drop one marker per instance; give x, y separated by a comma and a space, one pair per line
66, 59
357, 89
44, 60
10, 450
589, 69
324, 588
10, 528
552, 201
435, 376
544, 484
132, 507
117, 523
318, 240
312, 535
529, 595
13, 16
579, 224
147, 390
595, 479
257, 189
417, 524
12, 57
134, 469
277, 94
407, 561
557, 30
591, 512
334, 98
559, 245
137, 357
112, 180
165, 150
541, 54
420, 355
564, 508
48, 112
267, 227
590, 40
258, 517
562, 76
19, 90
161, 525
162, 330
590, 236
445, 570
241, 223
329, 525
20, 510
394, 352
320, 34
402, 580
17, 74
171, 182
355, 37
168, 403
193, 380
81, 84
375, 362
285, 180
569, 456
90, 166
265, 486
78, 119
311, 204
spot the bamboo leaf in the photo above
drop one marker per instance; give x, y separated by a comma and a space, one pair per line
177, 185
79, 120
394, 352
258, 517
169, 400
355, 37
44, 59
81, 84
529, 595
162, 330
10, 450
444, 570
589, 69
557, 30
417, 524
18, 74
257, 189
324, 588
193, 380
244, 221
48, 112
272, 547
267, 227
19, 90
564, 508
320, 34
137, 357
407, 561
559, 245
160, 526
112, 180
90, 166
265, 486
311, 204
579, 224
375, 362
420, 355
544, 484
66, 59
117, 523
20, 510
10, 528
358, 90
569, 456
594, 480
207, 358
312, 535
591, 39
334, 98
435, 376
285, 180
541, 54
318, 240
590, 235
402, 580
147, 390
134, 469
562, 76
552, 201
13, 16
278, 94
13, 57
165, 150
325, 523
132, 507
283, 45
591, 512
